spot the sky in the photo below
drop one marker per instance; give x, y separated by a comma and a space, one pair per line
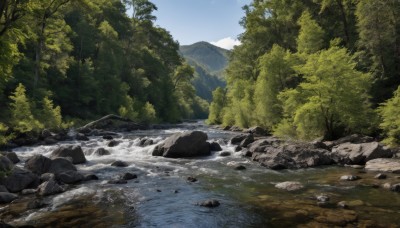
191, 21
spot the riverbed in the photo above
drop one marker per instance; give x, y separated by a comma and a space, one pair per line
162, 196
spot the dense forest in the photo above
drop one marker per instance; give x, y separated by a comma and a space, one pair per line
315, 68
68, 60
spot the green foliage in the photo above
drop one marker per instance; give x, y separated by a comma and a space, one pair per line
21, 114
128, 110
389, 112
4, 138
333, 96
50, 115
311, 35
216, 107
148, 113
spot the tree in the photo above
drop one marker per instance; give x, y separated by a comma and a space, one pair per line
389, 113
10, 12
311, 35
50, 115
332, 99
216, 106
21, 115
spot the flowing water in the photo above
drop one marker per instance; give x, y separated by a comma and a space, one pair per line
161, 196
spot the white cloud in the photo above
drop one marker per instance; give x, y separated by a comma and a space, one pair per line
226, 43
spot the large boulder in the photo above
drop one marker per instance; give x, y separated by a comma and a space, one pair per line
384, 165
101, 152
6, 197
187, 144
292, 156
5, 164
38, 164
236, 140
359, 154
59, 165
12, 156
257, 131
50, 188
19, 179
70, 177
75, 152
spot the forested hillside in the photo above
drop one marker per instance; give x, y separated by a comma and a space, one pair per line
83, 59
209, 63
315, 68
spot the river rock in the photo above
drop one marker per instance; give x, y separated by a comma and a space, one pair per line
101, 152
191, 179
38, 164
59, 165
146, 142
5, 164
391, 165
12, 156
50, 141
29, 191
108, 137
236, 140
3, 188
111, 123
225, 154
257, 131
46, 177
119, 181
75, 152
240, 167
49, 188
209, 203
354, 139
19, 179
289, 185
292, 156
187, 144
81, 137
246, 141
113, 143
119, 164
214, 146
6, 197
349, 178
380, 176
359, 154
128, 176
90, 176
45, 134
70, 177
261, 144
395, 188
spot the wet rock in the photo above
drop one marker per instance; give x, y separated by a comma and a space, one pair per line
238, 148
386, 186
214, 146
187, 144
209, 203
349, 178
380, 176
113, 143
111, 123
117, 181
70, 177
5, 164
47, 176
246, 141
81, 137
59, 165
12, 156
6, 197
323, 198
19, 179
75, 152
355, 139
292, 156
225, 154
5, 225
359, 154
89, 177
119, 164
108, 137
395, 188
240, 167
50, 141
289, 185
146, 142
3, 188
28, 191
337, 218
191, 179
49, 188
236, 140
35, 204
38, 164
391, 165
128, 176
247, 153
343, 204
46, 134
101, 152
258, 131
158, 190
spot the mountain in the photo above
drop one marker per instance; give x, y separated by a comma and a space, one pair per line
209, 62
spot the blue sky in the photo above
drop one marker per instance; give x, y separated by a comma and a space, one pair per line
190, 21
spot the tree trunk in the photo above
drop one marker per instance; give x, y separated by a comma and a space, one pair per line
344, 21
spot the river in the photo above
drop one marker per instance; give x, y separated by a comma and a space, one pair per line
162, 196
